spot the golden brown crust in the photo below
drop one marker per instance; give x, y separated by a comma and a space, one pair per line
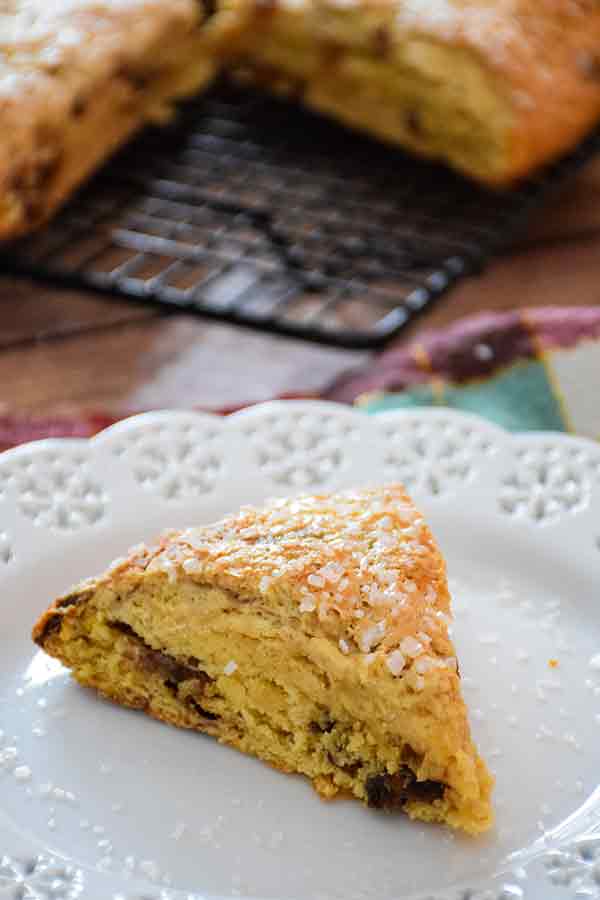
77, 78
324, 617
530, 67
51, 619
545, 53
364, 563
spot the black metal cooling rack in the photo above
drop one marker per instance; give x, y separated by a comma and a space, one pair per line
252, 210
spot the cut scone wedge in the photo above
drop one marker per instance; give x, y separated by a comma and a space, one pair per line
495, 89
311, 633
80, 77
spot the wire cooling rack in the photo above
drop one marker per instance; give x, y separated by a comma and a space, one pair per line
252, 210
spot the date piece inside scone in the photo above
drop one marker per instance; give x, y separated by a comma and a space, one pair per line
311, 633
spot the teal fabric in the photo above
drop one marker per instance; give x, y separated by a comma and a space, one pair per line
419, 396
519, 398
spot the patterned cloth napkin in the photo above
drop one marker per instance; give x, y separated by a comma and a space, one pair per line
525, 370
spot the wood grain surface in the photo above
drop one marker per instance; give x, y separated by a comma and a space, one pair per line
68, 350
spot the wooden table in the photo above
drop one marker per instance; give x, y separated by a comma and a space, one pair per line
62, 351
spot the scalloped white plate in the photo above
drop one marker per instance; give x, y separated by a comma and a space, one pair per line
101, 803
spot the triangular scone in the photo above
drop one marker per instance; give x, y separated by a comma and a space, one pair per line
311, 633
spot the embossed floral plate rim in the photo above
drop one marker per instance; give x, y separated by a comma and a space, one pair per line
546, 484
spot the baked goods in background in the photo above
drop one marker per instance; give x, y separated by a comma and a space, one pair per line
77, 79
311, 633
495, 88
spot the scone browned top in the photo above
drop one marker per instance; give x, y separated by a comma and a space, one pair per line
364, 562
514, 35
508, 32
43, 34
55, 54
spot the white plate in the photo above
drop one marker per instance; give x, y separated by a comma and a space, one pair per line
102, 803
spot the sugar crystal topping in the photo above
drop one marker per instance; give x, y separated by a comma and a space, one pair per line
362, 565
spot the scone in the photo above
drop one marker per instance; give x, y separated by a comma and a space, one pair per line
496, 88
77, 78
312, 633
